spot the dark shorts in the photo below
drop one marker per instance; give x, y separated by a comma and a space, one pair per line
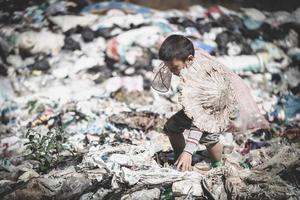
180, 122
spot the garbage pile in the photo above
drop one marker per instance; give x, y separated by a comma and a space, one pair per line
79, 120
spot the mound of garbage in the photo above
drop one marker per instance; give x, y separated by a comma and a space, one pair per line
79, 120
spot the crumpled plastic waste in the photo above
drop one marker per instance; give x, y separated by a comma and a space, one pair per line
71, 44
130, 83
250, 145
66, 22
138, 120
134, 164
287, 108
253, 18
187, 187
40, 42
6, 90
5, 47
143, 194
124, 6
59, 7
291, 134
38, 188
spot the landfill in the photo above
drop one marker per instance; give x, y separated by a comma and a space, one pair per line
79, 119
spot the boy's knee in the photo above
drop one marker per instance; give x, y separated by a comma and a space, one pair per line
177, 123
171, 128
210, 139
166, 128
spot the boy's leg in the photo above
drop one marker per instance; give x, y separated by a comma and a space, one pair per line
174, 128
178, 143
214, 147
215, 151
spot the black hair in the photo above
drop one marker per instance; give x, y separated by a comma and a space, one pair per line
176, 46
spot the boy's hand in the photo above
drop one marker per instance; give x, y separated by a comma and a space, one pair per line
184, 161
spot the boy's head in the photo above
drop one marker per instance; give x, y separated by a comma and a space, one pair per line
176, 51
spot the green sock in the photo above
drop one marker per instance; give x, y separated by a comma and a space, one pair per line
216, 164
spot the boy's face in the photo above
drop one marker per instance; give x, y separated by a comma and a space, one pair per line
176, 65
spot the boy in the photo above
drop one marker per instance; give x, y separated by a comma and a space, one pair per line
214, 100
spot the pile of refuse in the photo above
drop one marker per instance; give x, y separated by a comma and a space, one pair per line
79, 120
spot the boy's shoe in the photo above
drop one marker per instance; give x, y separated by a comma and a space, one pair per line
215, 164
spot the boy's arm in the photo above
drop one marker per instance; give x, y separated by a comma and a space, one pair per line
192, 140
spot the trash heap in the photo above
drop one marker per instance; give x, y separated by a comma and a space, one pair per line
78, 119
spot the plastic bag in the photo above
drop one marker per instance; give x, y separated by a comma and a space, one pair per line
162, 79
